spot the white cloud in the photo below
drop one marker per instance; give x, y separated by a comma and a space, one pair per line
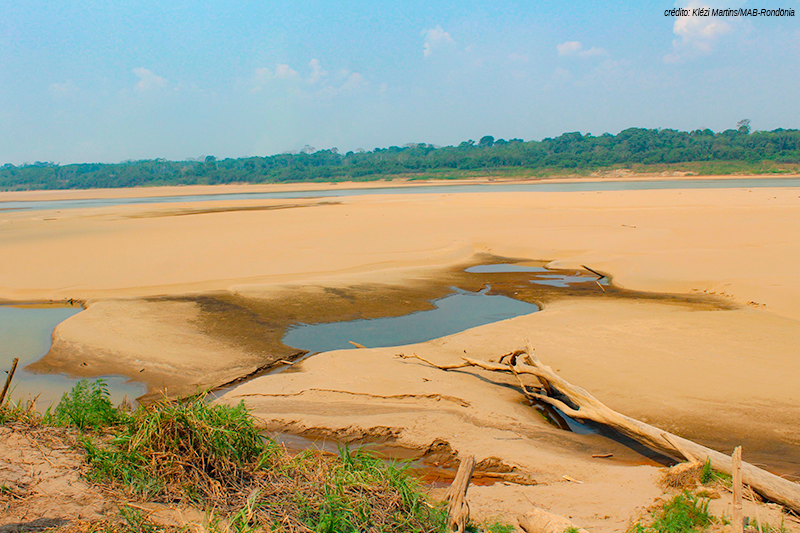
285, 72
696, 35
317, 72
434, 38
148, 80
262, 76
575, 48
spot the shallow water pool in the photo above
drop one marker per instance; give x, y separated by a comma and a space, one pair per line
26, 332
452, 314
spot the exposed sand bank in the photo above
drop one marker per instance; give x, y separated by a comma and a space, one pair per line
733, 242
721, 377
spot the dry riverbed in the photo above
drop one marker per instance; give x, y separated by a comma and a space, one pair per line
175, 292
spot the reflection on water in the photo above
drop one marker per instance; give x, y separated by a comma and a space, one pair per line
457, 312
26, 332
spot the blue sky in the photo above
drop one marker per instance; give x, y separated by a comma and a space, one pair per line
99, 81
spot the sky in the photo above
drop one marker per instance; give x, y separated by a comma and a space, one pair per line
102, 81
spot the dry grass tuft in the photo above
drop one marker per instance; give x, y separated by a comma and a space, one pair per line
683, 476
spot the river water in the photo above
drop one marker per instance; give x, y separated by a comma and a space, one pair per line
542, 186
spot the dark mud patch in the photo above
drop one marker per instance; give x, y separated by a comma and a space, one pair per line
258, 325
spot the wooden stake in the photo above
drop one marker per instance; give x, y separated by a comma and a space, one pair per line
737, 519
457, 508
8, 379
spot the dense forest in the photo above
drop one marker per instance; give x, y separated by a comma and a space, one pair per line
641, 150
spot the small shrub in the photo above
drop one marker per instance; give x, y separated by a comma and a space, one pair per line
86, 406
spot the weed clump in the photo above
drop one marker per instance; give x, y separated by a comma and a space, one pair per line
685, 513
682, 476
173, 450
213, 456
20, 413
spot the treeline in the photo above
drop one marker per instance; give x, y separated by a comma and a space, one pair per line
569, 153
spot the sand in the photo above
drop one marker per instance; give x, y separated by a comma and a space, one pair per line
735, 242
721, 376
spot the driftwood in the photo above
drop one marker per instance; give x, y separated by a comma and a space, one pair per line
540, 521
457, 507
8, 379
577, 403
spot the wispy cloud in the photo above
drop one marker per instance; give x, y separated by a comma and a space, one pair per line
696, 35
576, 49
340, 82
317, 72
64, 89
147, 80
434, 38
263, 75
285, 72
353, 81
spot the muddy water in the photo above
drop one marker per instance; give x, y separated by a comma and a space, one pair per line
26, 332
452, 314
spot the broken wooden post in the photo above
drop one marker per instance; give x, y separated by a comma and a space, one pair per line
737, 518
8, 379
457, 507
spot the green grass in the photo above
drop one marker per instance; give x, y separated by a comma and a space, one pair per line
213, 457
684, 513
177, 450
708, 475
498, 527
86, 406
767, 528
